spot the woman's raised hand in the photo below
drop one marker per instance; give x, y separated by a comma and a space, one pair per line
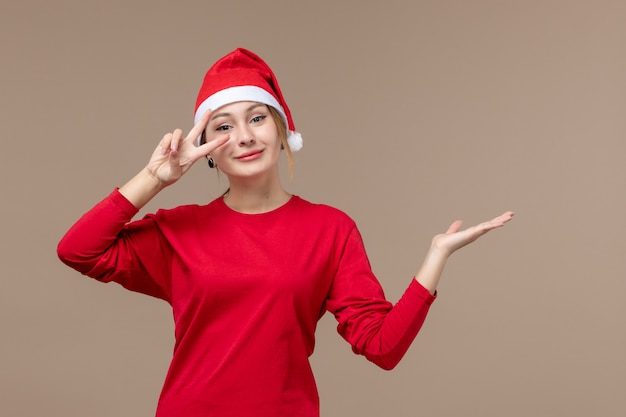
455, 239
444, 245
170, 160
174, 155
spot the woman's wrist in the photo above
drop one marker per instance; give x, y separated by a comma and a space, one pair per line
432, 268
142, 188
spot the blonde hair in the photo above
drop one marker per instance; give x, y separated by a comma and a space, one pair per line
282, 134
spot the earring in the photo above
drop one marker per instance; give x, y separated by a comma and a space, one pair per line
211, 163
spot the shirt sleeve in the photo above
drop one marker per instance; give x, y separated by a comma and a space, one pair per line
105, 245
375, 328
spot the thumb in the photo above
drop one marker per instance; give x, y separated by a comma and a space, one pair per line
174, 160
454, 227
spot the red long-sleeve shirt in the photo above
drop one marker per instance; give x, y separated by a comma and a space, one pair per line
247, 291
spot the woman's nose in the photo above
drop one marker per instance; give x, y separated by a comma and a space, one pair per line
247, 141
246, 138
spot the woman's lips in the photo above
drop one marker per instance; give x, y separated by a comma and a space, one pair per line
250, 156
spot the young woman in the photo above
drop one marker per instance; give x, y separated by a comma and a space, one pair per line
249, 274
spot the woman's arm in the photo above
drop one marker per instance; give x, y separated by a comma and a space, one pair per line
375, 328
104, 245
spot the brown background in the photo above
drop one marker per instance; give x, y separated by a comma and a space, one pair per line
414, 114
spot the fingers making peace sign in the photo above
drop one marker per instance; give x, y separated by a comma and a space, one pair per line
174, 155
171, 159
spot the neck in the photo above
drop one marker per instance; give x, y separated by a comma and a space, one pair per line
255, 197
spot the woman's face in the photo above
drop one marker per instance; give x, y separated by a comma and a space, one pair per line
253, 149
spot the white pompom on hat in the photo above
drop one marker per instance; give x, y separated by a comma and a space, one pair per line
244, 76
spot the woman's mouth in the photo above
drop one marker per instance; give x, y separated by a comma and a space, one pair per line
250, 156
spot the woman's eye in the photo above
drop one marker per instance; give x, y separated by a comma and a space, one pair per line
223, 128
257, 119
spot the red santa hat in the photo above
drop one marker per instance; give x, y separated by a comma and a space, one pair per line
244, 76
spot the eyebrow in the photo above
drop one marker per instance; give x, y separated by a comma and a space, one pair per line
226, 114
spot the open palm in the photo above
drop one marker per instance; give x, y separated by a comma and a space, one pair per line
454, 238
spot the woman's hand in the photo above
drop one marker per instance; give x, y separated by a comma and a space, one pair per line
174, 155
455, 239
445, 244
170, 160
